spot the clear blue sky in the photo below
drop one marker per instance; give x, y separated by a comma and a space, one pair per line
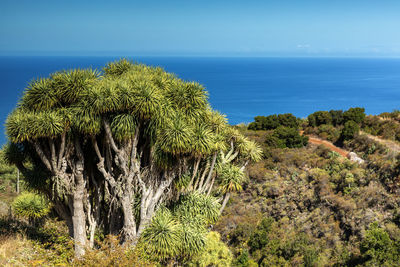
208, 27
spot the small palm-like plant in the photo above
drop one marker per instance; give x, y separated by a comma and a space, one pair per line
196, 203
30, 206
162, 237
231, 178
231, 181
250, 150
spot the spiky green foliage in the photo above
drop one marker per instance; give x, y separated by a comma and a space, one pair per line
201, 141
231, 178
190, 97
161, 239
40, 95
175, 137
123, 126
30, 206
72, 84
194, 204
250, 150
118, 68
184, 227
25, 126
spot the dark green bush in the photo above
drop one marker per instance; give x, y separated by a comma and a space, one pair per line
260, 236
272, 122
337, 117
378, 249
320, 117
354, 114
350, 130
289, 137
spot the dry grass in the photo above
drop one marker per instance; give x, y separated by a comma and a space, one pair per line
16, 250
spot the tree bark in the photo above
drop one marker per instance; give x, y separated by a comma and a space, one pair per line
79, 218
129, 219
226, 198
195, 169
202, 189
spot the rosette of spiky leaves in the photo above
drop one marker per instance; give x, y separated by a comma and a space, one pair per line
219, 143
193, 236
162, 79
249, 150
22, 126
101, 98
175, 136
231, 177
202, 140
232, 134
189, 97
31, 206
123, 126
40, 95
84, 120
198, 204
118, 68
162, 237
147, 99
216, 121
72, 84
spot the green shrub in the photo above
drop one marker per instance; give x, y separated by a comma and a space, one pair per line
30, 206
272, 122
260, 236
320, 117
215, 253
378, 249
337, 117
354, 114
350, 130
288, 137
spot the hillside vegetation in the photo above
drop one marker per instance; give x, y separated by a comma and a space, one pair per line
309, 206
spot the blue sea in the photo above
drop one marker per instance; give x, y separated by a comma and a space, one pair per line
243, 88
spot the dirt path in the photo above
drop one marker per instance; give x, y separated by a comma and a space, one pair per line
318, 141
391, 145
332, 147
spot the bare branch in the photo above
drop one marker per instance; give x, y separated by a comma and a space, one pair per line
62, 150
53, 159
42, 156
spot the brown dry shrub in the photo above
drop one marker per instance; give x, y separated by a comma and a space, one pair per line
111, 253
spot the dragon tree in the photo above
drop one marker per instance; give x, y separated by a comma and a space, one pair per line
110, 148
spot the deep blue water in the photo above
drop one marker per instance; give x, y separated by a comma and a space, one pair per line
244, 87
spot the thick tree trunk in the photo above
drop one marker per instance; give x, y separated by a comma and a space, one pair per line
226, 198
79, 218
129, 219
